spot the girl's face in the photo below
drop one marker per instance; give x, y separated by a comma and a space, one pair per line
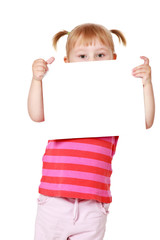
94, 52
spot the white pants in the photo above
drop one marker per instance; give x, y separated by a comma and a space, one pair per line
68, 218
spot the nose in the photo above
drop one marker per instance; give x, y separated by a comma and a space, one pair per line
92, 58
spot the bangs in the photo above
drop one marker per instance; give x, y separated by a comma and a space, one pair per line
88, 39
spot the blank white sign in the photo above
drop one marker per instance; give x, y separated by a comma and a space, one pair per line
92, 99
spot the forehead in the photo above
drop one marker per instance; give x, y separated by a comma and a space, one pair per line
84, 42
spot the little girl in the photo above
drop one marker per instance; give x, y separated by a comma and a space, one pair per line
75, 185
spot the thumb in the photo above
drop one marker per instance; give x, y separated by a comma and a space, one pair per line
146, 60
50, 60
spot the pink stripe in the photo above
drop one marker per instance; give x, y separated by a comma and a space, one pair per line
73, 188
76, 174
77, 160
79, 146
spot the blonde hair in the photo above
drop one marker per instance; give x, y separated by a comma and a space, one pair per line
85, 34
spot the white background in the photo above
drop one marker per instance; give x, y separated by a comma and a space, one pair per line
27, 28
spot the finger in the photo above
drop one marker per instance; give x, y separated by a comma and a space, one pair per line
139, 71
40, 60
144, 68
139, 67
41, 68
146, 60
50, 60
139, 74
43, 65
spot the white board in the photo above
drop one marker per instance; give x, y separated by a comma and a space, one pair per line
92, 99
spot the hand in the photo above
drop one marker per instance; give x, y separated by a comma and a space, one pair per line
143, 71
40, 68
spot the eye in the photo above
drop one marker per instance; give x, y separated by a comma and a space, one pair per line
100, 55
82, 56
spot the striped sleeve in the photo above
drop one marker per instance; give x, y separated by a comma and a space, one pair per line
115, 141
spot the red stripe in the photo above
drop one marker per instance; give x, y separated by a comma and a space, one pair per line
93, 141
75, 181
74, 195
78, 153
81, 168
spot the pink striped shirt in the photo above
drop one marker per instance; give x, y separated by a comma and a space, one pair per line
78, 168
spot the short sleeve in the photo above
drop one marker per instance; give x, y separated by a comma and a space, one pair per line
114, 144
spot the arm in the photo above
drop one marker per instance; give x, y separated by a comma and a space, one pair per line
35, 97
35, 101
149, 104
144, 72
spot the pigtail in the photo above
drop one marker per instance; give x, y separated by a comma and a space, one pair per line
57, 36
120, 36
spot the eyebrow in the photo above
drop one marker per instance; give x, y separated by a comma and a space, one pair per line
98, 49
